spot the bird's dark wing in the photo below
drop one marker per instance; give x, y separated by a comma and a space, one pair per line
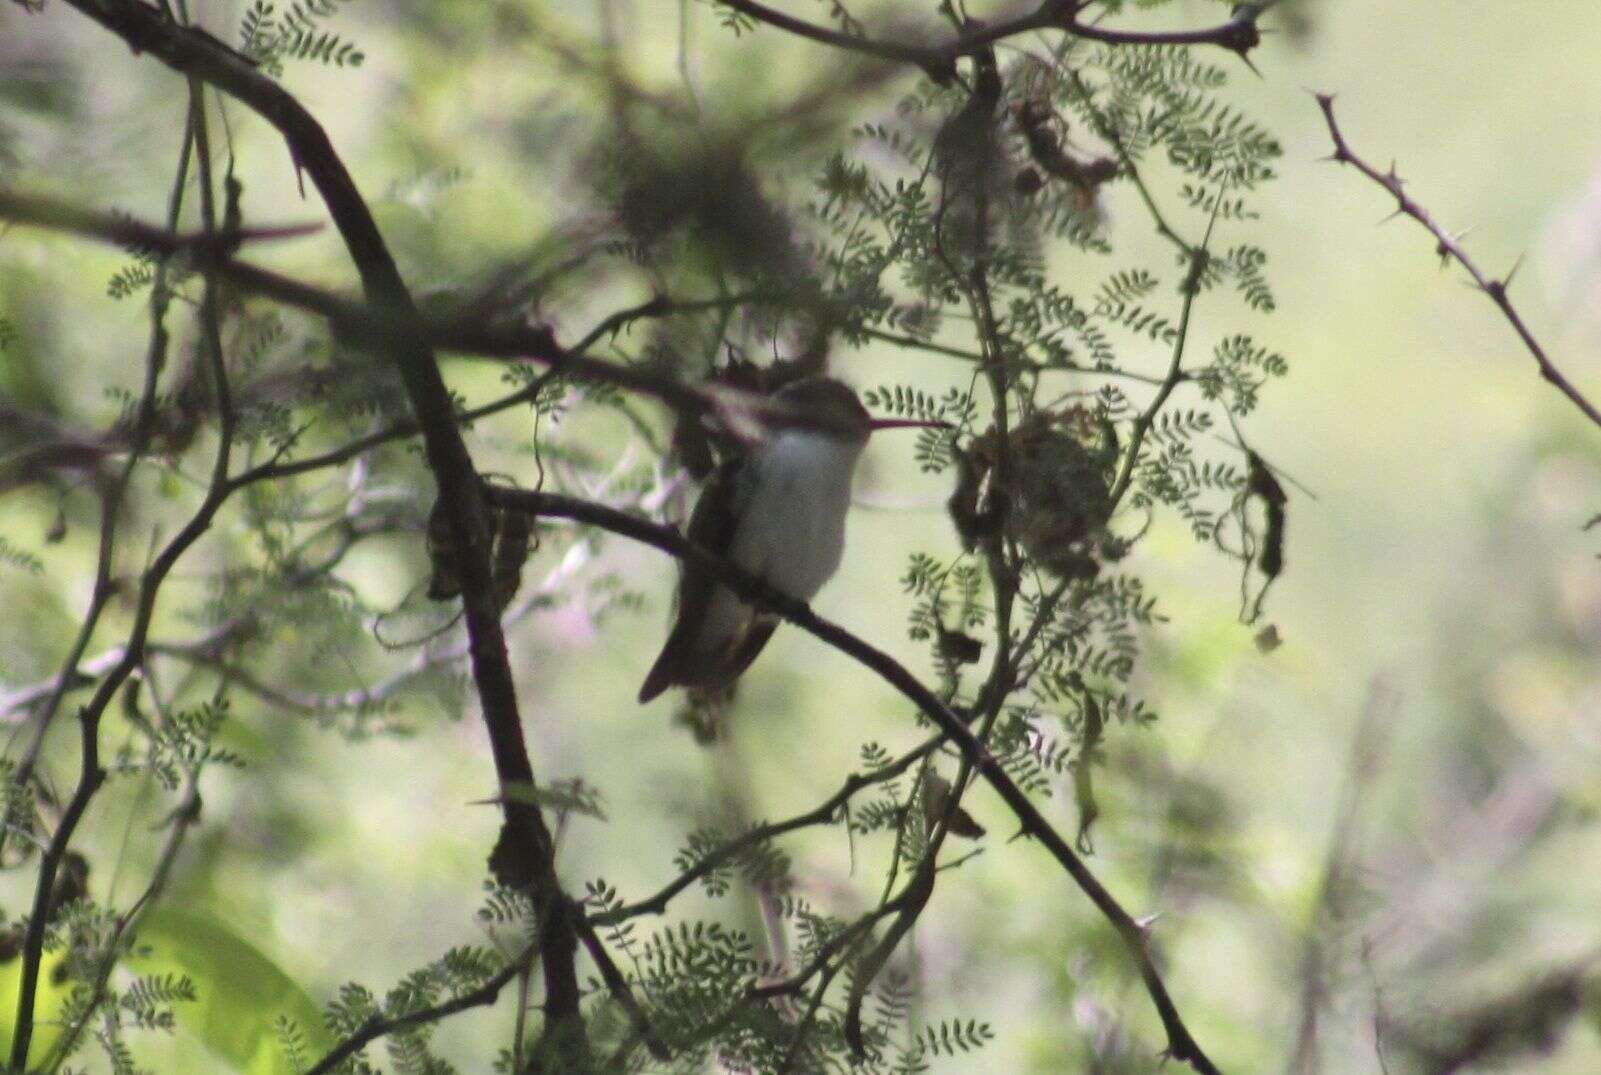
711, 526
754, 640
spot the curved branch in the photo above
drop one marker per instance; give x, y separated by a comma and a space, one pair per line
1449, 247
482, 997
377, 325
1181, 1044
939, 61
90, 775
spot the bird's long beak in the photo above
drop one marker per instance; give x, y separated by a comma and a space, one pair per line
907, 423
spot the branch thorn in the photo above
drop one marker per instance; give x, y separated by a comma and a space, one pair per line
1516, 265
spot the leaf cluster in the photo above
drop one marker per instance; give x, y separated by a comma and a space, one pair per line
271, 35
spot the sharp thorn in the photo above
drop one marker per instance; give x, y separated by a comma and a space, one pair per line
1513, 272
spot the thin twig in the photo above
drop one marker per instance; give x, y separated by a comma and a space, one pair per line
378, 1027
1175, 372
618, 986
111, 498
821, 815
1449, 246
182, 819
913, 343
91, 775
378, 321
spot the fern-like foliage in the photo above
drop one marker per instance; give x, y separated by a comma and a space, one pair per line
130, 279
270, 34
182, 742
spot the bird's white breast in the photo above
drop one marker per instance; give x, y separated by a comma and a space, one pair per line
792, 528
791, 501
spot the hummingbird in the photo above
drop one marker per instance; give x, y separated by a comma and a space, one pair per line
778, 511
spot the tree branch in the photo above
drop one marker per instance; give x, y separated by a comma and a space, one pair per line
377, 321
1181, 1044
526, 853
112, 496
182, 819
205, 247
1449, 247
90, 774
1239, 34
1142, 424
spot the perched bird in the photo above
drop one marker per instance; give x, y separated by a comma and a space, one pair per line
778, 511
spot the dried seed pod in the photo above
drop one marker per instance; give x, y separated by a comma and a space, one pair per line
510, 537
971, 165
1076, 565
1268, 639
1261, 483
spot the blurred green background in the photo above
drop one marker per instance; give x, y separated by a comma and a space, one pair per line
1442, 564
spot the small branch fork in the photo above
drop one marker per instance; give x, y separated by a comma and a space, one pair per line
1449, 246
762, 834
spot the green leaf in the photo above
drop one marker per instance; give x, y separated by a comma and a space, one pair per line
241, 994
